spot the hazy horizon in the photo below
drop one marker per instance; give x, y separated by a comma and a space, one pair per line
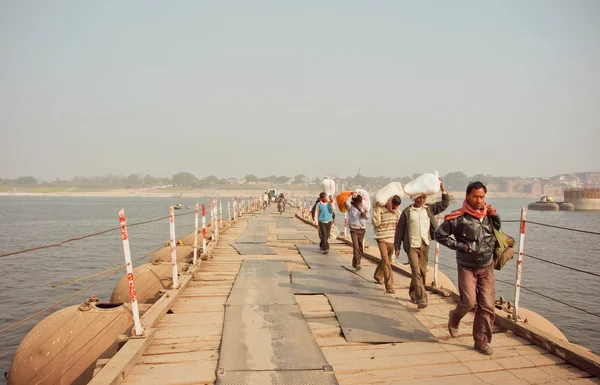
391, 88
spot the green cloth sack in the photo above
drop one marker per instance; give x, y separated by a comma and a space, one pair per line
503, 250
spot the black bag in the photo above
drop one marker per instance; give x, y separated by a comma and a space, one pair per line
314, 209
503, 249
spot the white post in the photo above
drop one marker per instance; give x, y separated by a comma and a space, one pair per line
196, 235
173, 247
229, 211
215, 219
203, 229
345, 225
234, 208
520, 264
221, 212
132, 296
436, 262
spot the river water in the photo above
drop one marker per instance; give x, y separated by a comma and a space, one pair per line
27, 222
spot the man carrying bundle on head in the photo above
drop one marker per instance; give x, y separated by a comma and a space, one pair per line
357, 216
324, 214
470, 231
385, 220
416, 229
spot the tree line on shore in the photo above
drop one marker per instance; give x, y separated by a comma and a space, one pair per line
453, 180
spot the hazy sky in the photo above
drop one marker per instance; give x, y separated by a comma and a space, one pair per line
314, 87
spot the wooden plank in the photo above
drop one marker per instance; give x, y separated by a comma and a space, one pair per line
115, 370
574, 355
193, 372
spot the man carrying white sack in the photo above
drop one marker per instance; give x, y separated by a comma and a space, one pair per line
416, 228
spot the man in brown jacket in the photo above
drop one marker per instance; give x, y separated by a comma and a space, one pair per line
470, 231
416, 229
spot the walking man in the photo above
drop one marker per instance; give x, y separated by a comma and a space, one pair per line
470, 231
324, 218
385, 220
357, 216
415, 229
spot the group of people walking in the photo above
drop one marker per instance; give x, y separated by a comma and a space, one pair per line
469, 231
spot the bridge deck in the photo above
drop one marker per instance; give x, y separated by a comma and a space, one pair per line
188, 340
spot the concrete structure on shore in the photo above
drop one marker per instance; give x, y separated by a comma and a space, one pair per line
586, 199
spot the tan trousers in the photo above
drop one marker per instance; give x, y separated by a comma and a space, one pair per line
418, 258
357, 236
383, 272
477, 288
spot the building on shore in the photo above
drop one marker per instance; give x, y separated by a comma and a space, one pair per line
584, 199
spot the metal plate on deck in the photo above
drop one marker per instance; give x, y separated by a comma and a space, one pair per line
315, 258
268, 338
251, 267
261, 290
253, 249
285, 223
329, 281
295, 377
313, 236
291, 236
377, 319
256, 232
367, 272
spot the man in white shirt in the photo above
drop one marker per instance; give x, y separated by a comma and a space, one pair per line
415, 229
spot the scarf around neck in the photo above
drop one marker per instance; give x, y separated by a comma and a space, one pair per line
467, 209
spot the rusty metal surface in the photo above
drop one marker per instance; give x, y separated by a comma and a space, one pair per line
257, 232
377, 319
315, 258
253, 249
261, 290
290, 237
330, 281
294, 377
273, 337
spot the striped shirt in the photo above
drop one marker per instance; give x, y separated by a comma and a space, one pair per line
384, 224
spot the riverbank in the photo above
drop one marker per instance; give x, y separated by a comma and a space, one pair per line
209, 192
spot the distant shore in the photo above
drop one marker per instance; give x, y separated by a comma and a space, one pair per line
174, 193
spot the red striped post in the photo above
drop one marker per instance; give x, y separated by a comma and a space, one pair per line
203, 229
196, 235
520, 264
128, 266
173, 247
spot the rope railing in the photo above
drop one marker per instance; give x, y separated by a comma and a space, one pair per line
110, 271
536, 292
563, 228
561, 265
86, 236
113, 270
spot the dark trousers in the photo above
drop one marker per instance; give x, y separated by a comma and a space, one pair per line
418, 258
477, 288
357, 236
324, 230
